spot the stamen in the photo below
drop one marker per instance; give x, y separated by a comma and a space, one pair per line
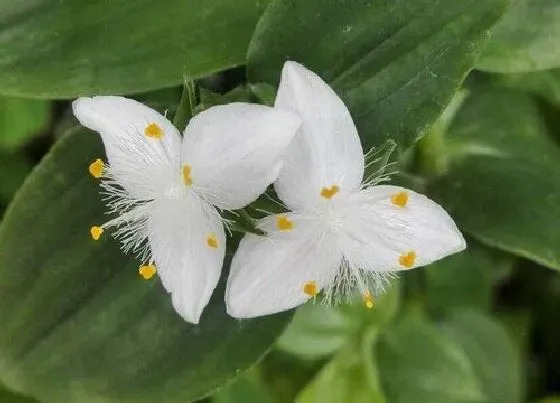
400, 199
283, 223
407, 259
153, 131
310, 288
147, 271
368, 300
96, 232
96, 168
212, 241
328, 193
187, 175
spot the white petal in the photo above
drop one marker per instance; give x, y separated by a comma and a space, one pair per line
143, 165
189, 268
235, 151
376, 232
268, 273
326, 151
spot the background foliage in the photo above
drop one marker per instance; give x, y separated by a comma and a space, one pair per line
470, 92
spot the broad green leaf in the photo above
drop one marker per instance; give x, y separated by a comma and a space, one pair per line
418, 363
318, 331
550, 400
54, 49
395, 63
286, 375
21, 119
503, 179
8, 396
348, 377
525, 39
80, 325
14, 167
465, 279
492, 353
247, 389
545, 84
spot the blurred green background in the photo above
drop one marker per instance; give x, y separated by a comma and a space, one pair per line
468, 89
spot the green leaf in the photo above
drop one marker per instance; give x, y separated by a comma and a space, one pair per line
247, 389
14, 167
545, 84
318, 331
492, 353
418, 363
79, 324
395, 63
551, 399
465, 279
54, 49
21, 119
346, 378
503, 182
525, 39
8, 396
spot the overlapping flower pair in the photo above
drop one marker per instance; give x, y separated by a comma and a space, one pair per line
341, 235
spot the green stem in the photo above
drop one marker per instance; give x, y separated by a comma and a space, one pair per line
185, 109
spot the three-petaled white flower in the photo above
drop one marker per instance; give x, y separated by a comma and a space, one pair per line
164, 192
341, 234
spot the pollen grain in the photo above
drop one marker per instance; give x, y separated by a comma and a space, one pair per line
407, 259
96, 168
187, 179
310, 288
329, 192
400, 199
147, 271
283, 223
212, 241
154, 131
96, 232
368, 300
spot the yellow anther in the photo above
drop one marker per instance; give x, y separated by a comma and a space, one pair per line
368, 300
310, 288
96, 168
147, 271
154, 131
407, 259
328, 193
400, 199
212, 241
283, 223
96, 232
187, 175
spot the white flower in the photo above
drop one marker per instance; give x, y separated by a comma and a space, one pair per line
164, 190
341, 235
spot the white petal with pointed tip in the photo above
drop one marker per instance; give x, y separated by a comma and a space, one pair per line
327, 149
377, 232
268, 273
235, 151
189, 268
142, 165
